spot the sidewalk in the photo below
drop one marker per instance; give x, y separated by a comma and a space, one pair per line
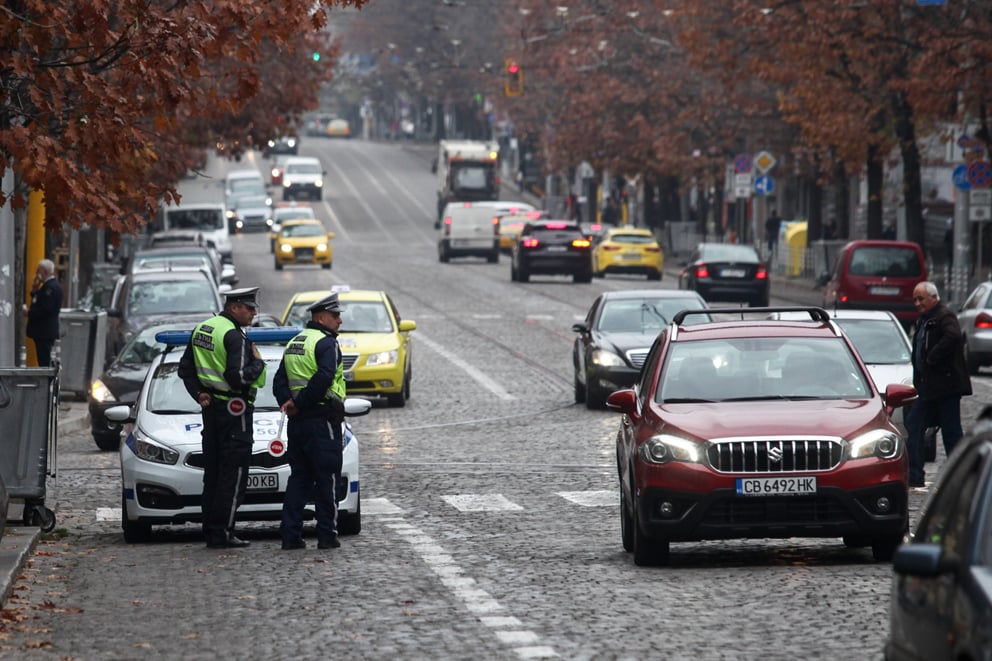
19, 540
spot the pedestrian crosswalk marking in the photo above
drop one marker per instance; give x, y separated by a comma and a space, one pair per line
487, 502
591, 498
379, 506
108, 514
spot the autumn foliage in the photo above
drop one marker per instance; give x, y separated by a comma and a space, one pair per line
105, 103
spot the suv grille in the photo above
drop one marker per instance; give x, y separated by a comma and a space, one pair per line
258, 460
775, 455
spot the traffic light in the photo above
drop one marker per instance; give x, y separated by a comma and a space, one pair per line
316, 56
513, 84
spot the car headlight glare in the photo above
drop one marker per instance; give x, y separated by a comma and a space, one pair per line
321, 247
663, 448
286, 181
605, 358
285, 247
319, 183
154, 452
100, 392
879, 443
240, 224
382, 358
230, 213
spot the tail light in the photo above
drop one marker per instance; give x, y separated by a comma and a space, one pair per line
581, 243
530, 242
556, 226
762, 273
497, 181
495, 225
652, 249
983, 320
446, 230
611, 248
702, 271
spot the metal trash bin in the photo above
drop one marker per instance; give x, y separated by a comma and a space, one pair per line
29, 404
82, 349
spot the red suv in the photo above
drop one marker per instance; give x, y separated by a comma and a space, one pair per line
876, 275
758, 428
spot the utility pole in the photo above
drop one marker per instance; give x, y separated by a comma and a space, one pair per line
10, 307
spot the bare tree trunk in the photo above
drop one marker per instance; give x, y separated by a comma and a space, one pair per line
912, 187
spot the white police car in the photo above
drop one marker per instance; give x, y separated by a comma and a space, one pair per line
161, 452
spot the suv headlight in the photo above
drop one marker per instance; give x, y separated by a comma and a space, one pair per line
150, 451
605, 358
878, 443
382, 358
100, 392
319, 183
664, 448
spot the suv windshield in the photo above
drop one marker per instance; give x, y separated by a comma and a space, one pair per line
169, 296
761, 368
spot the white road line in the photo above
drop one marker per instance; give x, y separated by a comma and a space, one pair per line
475, 599
373, 217
339, 231
485, 502
379, 506
108, 514
592, 498
483, 380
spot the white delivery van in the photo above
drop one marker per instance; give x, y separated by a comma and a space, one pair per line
201, 223
468, 230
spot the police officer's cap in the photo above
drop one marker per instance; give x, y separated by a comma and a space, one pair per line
245, 296
327, 304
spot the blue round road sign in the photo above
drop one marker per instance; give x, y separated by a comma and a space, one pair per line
980, 174
764, 185
960, 177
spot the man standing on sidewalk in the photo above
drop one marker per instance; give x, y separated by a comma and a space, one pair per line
939, 375
43, 314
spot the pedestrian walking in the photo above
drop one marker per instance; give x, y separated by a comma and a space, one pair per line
939, 375
772, 225
222, 370
43, 313
310, 388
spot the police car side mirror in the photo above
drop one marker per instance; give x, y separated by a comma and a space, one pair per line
119, 414
354, 406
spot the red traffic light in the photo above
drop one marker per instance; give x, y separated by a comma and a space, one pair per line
512, 68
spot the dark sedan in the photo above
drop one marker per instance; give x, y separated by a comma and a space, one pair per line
941, 604
616, 335
726, 272
551, 247
122, 380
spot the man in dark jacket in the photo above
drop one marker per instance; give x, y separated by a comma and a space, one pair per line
43, 315
939, 375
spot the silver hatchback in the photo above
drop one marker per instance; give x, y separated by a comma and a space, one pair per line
975, 318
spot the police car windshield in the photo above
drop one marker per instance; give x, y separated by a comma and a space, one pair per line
167, 395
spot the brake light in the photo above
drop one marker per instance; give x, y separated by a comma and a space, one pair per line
649, 249
983, 320
530, 242
467, 205
447, 220
580, 243
702, 271
534, 215
762, 273
497, 181
611, 248
556, 226
496, 226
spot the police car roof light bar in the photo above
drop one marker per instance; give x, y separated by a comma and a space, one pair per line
280, 335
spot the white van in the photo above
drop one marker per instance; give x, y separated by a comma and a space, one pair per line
468, 229
200, 222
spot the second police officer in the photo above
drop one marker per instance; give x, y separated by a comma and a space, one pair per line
310, 388
222, 370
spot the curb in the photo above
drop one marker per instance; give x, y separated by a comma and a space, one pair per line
15, 547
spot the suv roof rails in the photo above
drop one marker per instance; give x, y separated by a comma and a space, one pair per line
815, 313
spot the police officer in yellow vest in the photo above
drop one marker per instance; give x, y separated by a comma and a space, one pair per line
310, 388
222, 370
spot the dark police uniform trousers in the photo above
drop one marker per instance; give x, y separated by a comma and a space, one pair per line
315, 447
227, 443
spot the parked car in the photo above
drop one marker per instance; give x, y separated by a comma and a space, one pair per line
975, 318
120, 382
374, 340
303, 241
727, 272
141, 298
204, 224
941, 600
162, 458
876, 275
758, 428
551, 247
617, 333
182, 255
627, 250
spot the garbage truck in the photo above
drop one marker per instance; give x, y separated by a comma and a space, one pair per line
467, 171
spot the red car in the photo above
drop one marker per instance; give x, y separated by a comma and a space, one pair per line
758, 428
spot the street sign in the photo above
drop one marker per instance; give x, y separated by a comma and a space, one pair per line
960, 177
764, 185
764, 162
743, 164
980, 174
742, 192
980, 205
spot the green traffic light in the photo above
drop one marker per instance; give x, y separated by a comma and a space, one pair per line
316, 56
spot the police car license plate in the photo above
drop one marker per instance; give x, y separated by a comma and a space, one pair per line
263, 482
776, 486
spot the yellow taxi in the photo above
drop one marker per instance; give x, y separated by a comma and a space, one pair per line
303, 241
338, 128
374, 340
627, 250
510, 225
284, 211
